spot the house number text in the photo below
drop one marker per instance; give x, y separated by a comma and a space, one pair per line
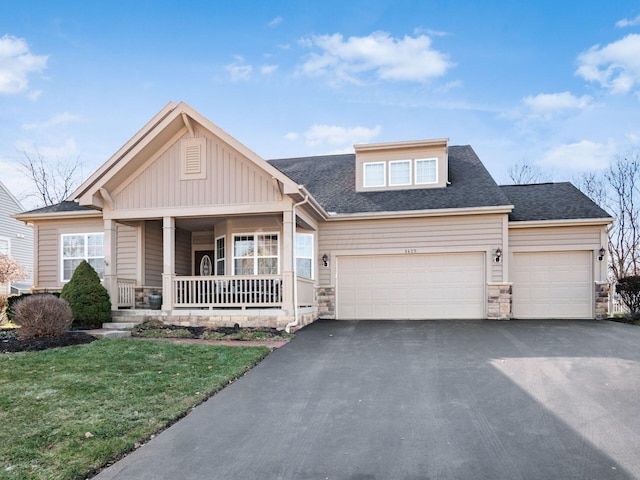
410, 250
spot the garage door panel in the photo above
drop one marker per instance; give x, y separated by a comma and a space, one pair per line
411, 287
552, 284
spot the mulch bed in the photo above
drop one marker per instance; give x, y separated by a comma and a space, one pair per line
9, 341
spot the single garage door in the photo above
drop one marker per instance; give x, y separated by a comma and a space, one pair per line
552, 284
411, 286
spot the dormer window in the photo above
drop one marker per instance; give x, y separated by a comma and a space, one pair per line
402, 165
374, 174
400, 172
426, 170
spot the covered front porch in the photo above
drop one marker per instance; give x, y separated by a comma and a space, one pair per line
251, 270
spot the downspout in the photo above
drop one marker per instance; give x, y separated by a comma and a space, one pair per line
295, 267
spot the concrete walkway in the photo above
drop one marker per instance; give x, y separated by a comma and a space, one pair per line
418, 400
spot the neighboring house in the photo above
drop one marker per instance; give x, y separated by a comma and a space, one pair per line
16, 239
406, 230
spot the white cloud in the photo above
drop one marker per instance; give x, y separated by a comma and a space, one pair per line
625, 22
275, 22
615, 66
239, 70
584, 155
548, 104
16, 63
268, 69
389, 58
68, 149
339, 136
59, 119
291, 136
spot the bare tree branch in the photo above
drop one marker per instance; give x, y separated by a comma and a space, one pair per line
53, 180
523, 173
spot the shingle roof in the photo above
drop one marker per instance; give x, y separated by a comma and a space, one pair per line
550, 201
331, 181
64, 206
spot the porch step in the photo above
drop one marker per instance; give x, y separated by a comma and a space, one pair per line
119, 325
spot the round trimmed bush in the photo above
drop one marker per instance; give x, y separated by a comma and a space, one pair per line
87, 297
42, 316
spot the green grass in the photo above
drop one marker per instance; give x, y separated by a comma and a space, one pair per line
66, 412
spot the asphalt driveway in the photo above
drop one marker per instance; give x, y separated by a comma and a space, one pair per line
418, 400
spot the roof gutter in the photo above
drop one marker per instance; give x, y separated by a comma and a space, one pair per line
295, 322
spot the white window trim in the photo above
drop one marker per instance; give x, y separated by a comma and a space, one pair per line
223, 259
255, 257
86, 256
435, 160
8, 240
384, 174
311, 257
408, 162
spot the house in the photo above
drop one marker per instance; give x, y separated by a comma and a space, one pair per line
16, 239
403, 230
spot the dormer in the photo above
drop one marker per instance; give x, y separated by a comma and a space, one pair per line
401, 165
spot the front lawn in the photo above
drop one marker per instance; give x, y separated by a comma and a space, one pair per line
66, 412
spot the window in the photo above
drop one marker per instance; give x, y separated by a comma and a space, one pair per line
304, 255
426, 170
220, 256
4, 246
255, 254
84, 246
374, 174
400, 172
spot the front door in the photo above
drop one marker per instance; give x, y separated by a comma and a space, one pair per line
204, 262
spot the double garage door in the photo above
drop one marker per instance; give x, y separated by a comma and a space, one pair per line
411, 286
545, 285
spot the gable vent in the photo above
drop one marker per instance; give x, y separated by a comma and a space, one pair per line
193, 159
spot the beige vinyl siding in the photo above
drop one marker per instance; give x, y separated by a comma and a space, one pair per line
555, 237
183, 252
474, 233
231, 179
127, 252
49, 256
153, 256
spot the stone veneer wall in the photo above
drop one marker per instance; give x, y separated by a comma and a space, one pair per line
326, 299
142, 296
499, 301
207, 320
602, 299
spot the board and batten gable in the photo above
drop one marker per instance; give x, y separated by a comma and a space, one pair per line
230, 179
17, 235
409, 236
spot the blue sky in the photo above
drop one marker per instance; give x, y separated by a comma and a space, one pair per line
553, 83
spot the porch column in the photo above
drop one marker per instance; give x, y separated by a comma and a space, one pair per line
110, 262
169, 261
288, 228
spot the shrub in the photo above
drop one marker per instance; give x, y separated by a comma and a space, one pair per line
629, 290
3, 308
89, 300
10, 270
14, 299
42, 316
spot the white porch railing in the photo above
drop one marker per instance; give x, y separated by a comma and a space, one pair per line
227, 291
126, 292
